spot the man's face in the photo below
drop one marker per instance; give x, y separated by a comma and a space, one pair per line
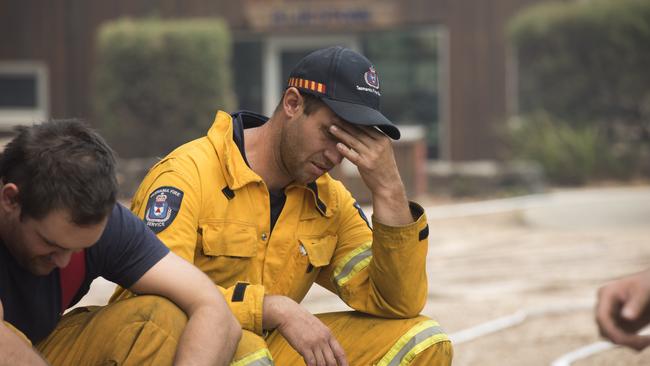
42, 245
307, 148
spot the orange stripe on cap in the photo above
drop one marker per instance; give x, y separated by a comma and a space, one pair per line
307, 84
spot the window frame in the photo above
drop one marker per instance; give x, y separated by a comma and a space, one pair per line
10, 117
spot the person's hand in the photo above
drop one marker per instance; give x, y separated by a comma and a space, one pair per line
304, 332
623, 309
372, 152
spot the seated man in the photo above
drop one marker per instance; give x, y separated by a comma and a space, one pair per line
252, 205
60, 228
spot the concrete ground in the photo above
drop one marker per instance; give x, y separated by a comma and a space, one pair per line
513, 281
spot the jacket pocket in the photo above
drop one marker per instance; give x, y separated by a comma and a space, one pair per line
231, 239
318, 250
312, 254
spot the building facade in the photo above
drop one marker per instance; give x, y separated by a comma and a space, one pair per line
444, 64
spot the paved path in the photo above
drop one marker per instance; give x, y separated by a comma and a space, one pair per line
534, 264
514, 280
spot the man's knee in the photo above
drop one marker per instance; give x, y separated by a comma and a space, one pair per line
151, 330
142, 330
421, 341
155, 309
372, 340
252, 350
437, 354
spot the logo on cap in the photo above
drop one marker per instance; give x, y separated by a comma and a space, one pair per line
371, 78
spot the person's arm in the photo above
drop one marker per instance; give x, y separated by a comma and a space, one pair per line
212, 332
379, 271
623, 309
13, 350
372, 152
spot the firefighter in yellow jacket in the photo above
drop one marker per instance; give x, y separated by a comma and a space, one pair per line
251, 204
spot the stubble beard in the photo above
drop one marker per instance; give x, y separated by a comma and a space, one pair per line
290, 159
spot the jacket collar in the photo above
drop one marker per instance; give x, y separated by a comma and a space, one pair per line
233, 166
238, 174
324, 197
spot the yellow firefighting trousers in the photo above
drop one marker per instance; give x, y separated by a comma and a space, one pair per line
367, 341
142, 330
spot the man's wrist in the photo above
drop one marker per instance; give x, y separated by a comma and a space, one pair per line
394, 190
272, 309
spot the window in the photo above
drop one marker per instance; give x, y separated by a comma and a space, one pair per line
23, 93
407, 62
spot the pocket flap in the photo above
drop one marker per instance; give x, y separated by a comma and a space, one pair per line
319, 249
229, 239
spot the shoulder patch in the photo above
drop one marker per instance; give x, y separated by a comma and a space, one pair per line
162, 207
363, 215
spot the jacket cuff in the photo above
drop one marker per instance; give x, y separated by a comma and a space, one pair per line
245, 302
395, 237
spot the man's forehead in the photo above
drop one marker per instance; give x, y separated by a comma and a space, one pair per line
57, 228
334, 119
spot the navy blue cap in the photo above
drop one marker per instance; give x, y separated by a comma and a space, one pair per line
347, 82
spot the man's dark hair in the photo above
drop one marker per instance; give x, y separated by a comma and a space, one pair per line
311, 103
61, 164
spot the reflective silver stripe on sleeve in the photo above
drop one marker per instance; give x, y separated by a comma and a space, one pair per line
343, 276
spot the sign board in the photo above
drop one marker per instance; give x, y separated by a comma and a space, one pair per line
320, 15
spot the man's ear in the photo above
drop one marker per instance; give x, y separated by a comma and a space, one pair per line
292, 102
9, 198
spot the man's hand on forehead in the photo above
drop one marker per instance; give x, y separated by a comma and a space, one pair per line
370, 150
352, 132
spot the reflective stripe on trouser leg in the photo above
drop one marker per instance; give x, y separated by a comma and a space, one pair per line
366, 340
417, 339
252, 351
259, 358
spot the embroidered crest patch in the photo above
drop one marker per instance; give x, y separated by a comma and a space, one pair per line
371, 78
162, 207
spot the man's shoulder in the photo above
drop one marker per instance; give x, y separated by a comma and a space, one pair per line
332, 184
189, 158
121, 226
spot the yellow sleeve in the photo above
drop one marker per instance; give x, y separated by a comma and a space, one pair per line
246, 303
178, 222
380, 271
175, 185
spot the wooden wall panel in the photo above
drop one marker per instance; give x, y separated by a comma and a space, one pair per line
62, 34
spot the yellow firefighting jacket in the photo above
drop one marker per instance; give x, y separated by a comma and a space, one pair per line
223, 227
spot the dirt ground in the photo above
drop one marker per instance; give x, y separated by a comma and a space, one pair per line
537, 265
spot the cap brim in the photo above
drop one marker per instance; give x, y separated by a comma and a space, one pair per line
362, 115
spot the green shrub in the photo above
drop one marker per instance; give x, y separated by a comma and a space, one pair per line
158, 83
587, 63
569, 155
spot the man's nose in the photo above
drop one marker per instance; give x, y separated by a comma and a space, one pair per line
61, 259
333, 155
